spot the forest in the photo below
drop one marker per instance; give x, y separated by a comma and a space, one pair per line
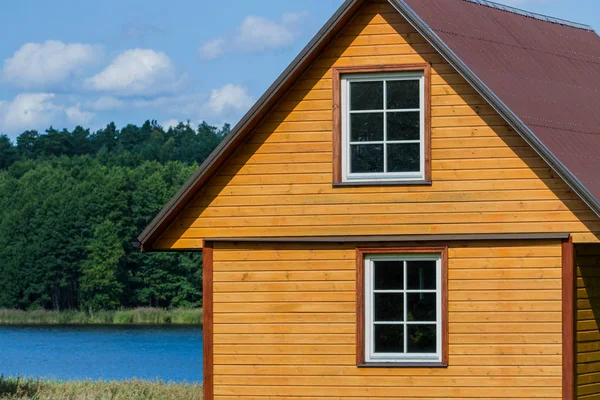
72, 204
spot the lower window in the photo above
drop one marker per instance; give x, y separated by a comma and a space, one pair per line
403, 321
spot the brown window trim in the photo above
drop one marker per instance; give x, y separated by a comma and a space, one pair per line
360, 304
337, 119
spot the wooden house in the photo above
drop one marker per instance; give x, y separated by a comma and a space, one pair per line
411, 211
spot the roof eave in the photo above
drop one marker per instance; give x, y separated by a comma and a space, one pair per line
511, 118
152, 232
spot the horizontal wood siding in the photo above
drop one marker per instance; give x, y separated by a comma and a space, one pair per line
588, 321
486, 179
285, 319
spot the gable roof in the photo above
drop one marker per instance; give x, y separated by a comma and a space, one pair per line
541, 74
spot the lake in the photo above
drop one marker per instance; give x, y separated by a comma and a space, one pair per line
169, 353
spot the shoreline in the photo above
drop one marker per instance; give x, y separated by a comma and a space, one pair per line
135, 316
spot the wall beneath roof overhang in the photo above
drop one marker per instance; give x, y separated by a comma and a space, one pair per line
587, 259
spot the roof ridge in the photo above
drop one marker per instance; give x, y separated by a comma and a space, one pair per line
533, 15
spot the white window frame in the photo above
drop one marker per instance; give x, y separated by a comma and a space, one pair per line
346, 80
370, 355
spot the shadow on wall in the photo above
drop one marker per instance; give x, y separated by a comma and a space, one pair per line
588, 319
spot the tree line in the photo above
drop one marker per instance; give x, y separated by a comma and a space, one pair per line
72, 204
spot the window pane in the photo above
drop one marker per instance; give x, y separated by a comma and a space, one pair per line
366, 96
422, 339
389, 338
421, 275
366, 158
421, 307
366, 127
389, 307
403, 94
389, 275
404, 157
404, 126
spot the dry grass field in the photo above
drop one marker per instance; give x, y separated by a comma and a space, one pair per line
28, 389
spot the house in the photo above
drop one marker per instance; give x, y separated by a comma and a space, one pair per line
411, 211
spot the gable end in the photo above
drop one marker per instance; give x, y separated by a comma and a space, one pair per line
289, 77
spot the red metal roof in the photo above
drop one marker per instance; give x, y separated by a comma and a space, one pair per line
546, 71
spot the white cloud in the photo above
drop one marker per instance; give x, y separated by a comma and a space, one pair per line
77, 116
46, 64
39, 111
212, 49
228, 98
136, 72
172, 123
260, 34
105, 103
29, 111
257, 34
225, 104
225, 101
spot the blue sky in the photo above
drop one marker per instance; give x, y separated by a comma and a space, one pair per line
71, 62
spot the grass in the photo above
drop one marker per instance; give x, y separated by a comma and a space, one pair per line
137, 316
29, 389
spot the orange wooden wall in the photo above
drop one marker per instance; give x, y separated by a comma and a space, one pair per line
285, 320
588, 321
486, 179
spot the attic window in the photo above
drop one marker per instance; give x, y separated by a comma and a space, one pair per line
384, 127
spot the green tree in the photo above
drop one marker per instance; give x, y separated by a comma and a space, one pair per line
8, 153
72, 204
100, 285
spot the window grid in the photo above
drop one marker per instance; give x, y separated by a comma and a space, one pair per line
385, 111
385, 150
346, 129
370, 286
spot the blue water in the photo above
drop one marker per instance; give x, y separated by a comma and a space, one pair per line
106, 352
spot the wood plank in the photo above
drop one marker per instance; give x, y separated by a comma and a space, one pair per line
495, 317
284, 328
180, 234
283, 296
509, 274
351, 370
382, 381
226, 199
374, 209
338, 220
287, 307
505, 306
348, 339
458, 360
290, 265
287, 275
513, 327
298, 286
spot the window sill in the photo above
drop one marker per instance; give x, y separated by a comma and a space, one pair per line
402, 365
383, 183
